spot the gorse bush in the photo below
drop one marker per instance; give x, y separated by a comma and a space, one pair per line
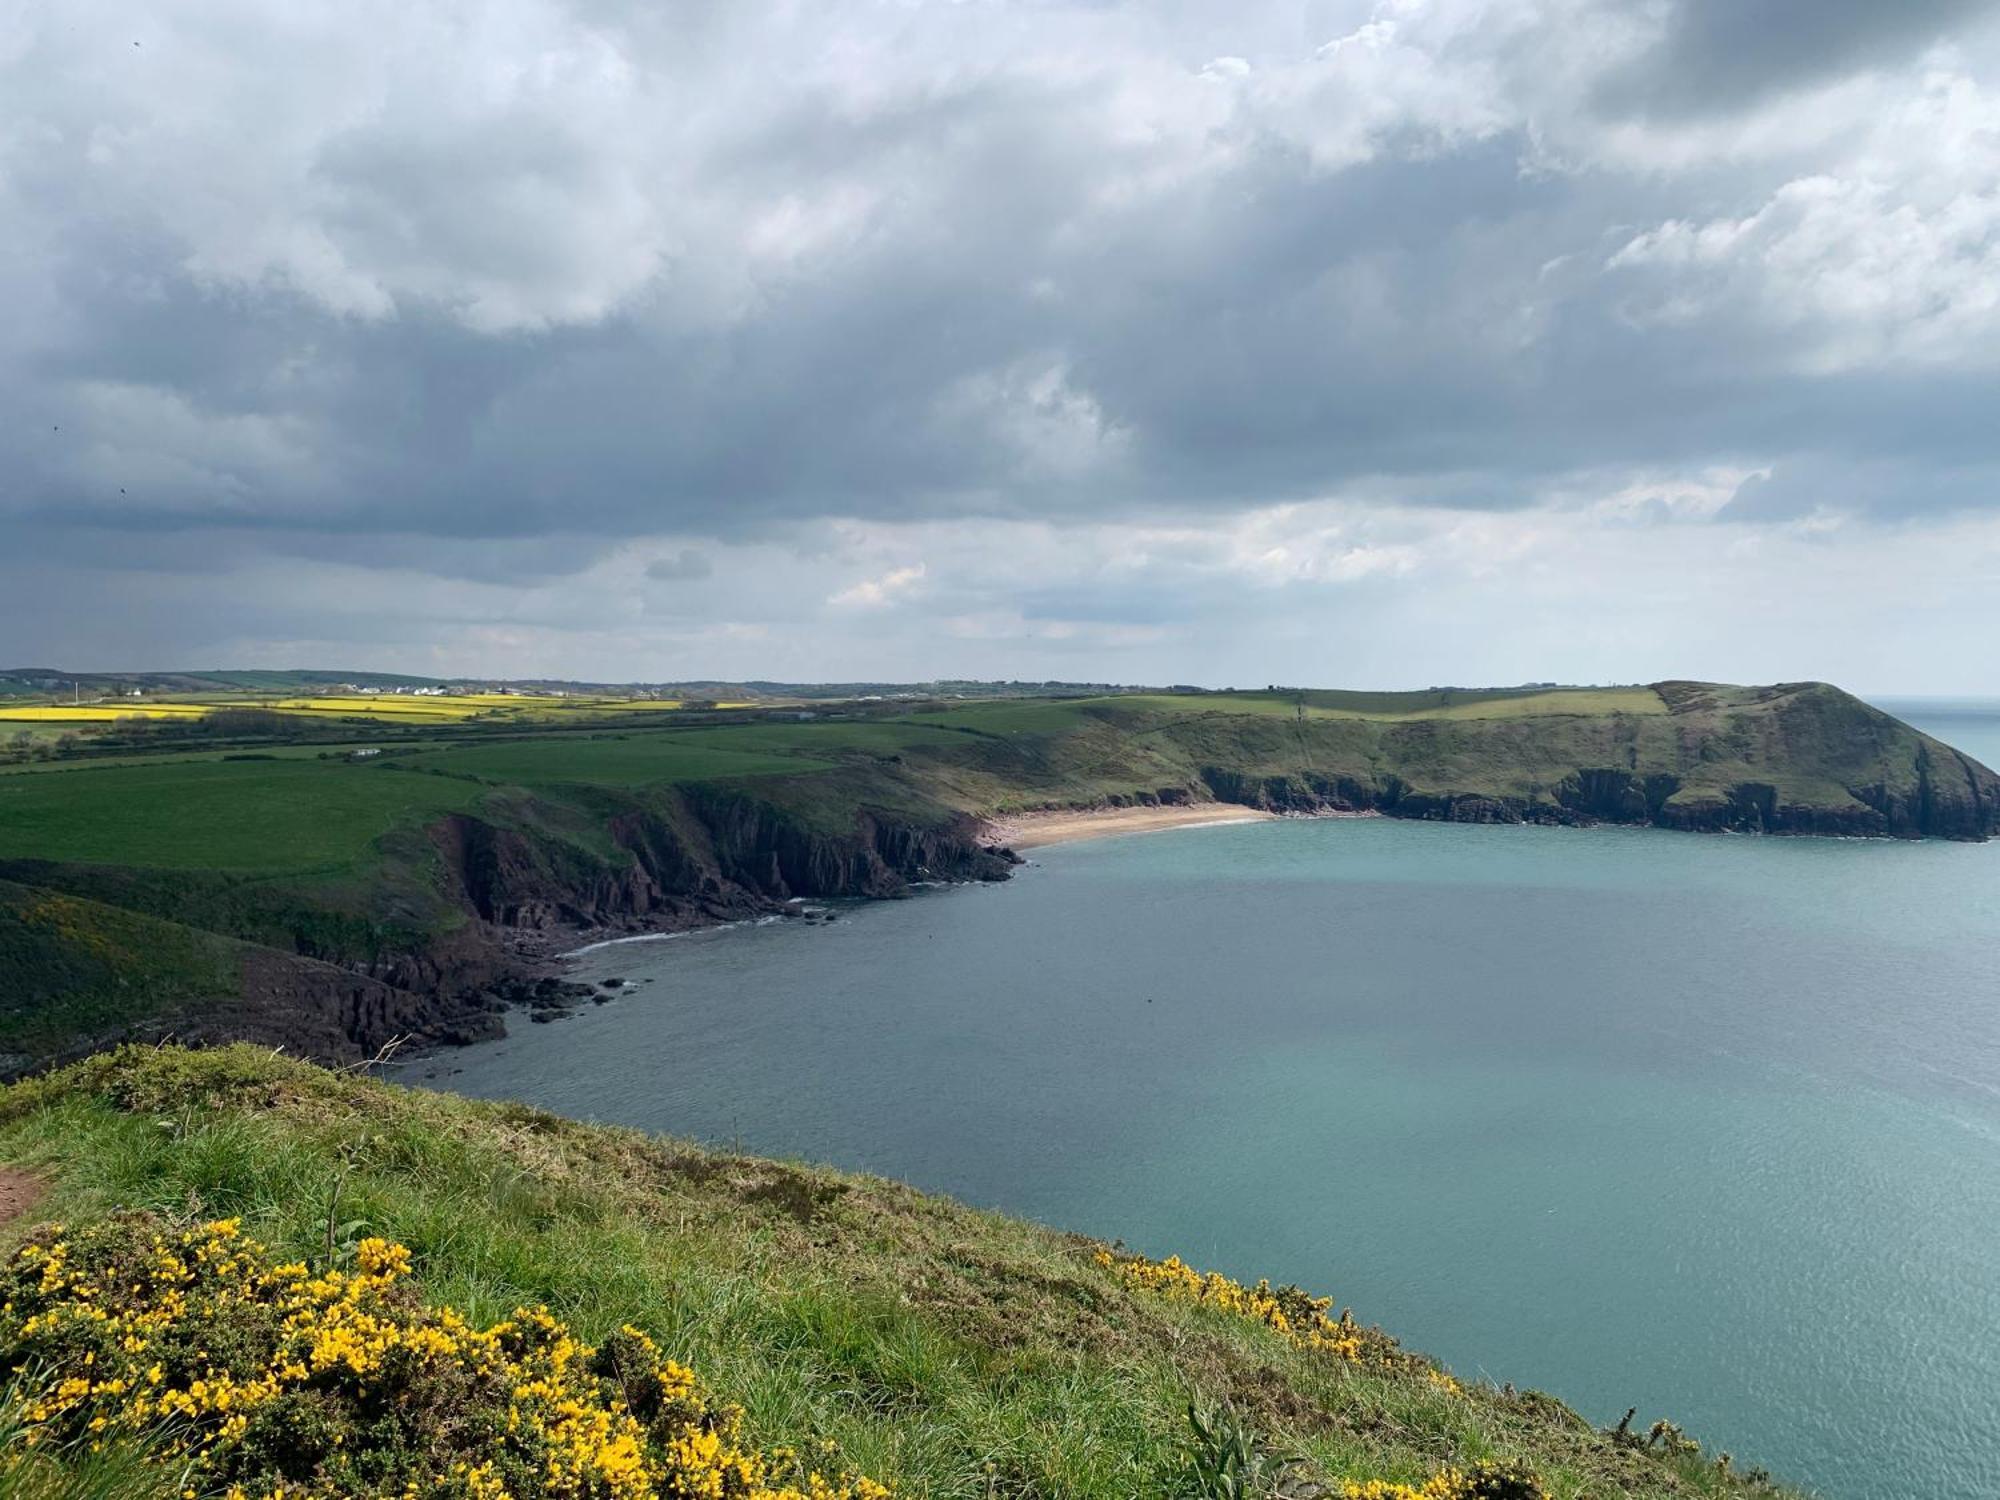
1289, 1310
1483, 1481
1303, 1318
268, 1381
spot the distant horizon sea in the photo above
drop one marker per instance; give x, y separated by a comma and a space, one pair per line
1706, 1125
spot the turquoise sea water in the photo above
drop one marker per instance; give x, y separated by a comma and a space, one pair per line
1705, 1125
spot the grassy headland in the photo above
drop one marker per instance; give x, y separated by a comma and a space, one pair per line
256, 872
866, 1328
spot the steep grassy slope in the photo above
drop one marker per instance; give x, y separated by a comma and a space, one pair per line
417, 866
73, 967
943, 1351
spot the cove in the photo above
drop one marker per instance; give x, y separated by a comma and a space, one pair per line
1705, 1125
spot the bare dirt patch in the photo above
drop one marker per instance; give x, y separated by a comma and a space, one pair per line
19, 1193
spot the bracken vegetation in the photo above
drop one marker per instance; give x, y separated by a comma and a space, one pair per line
838, 1323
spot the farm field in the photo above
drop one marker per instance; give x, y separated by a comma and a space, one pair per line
391, 707
261, 817
98, 713
312, 750
640, 760
1030, 716
292, 810
651, 757
1448, 703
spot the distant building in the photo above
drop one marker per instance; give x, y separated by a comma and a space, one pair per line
362, 755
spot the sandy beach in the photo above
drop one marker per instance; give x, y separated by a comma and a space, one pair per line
1033, 830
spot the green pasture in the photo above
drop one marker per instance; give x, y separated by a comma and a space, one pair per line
662, 757
1437, 703
262, 816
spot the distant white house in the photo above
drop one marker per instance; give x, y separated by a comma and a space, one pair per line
362, 754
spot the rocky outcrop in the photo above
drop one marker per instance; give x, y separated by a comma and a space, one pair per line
1952, 798
699, 854
692, 858
323, 1011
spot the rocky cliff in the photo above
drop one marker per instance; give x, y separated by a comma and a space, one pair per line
1798, 759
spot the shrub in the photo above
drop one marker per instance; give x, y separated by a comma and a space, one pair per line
272, 1381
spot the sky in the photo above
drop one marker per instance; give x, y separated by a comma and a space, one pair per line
1351, 344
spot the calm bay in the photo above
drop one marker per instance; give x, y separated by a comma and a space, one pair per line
1705, 1125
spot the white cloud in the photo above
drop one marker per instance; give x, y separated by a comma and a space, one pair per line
878, 593
1889, 255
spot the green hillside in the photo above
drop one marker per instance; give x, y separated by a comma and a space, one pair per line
416, 856
803, 1319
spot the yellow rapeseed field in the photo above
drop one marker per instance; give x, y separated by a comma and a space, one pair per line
385, 706
99, 713
403, 708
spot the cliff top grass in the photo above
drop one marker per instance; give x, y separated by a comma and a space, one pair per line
941, 1350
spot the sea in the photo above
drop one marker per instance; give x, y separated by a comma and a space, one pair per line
1705, 1125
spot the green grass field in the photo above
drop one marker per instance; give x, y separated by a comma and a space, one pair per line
661, 757
296, 812
245, 816
642, 760
1446, 703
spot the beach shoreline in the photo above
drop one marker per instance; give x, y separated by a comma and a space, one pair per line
1035, 830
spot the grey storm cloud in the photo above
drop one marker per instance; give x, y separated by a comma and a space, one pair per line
489, 295
1731, 53
684, 566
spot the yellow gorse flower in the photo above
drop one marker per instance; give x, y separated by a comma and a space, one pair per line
1306, 1320
272, 1382
1483, 1481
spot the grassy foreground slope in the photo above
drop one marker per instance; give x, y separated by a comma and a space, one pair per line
942, 1351
330, 894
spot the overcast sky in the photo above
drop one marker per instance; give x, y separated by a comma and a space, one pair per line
1343, 343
